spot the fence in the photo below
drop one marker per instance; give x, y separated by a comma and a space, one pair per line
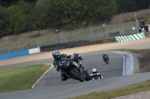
119, 25
47, 37
130, 16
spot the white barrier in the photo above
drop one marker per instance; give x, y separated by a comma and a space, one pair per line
34, 50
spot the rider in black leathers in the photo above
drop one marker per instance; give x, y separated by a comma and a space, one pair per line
57, 57
105, 57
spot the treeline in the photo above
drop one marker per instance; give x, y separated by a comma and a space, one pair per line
132, 5
17, 16
25, 16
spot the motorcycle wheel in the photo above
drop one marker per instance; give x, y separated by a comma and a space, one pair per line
107, 62
88, 77
76, 76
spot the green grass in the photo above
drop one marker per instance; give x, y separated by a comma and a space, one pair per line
140, 87
20, 78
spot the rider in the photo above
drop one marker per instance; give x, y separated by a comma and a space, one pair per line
57, 57
105, 57
77, 56
95, 75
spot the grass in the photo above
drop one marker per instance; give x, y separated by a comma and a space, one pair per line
135, 88
20, 78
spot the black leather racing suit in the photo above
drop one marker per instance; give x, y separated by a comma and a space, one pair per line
105, 57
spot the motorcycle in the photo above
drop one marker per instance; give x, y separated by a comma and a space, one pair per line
106, 61
73, 70
96, 76
106, 58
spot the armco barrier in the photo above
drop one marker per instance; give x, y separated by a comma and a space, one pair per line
132, 37
14, 54
34, 50
19, 53
76, 44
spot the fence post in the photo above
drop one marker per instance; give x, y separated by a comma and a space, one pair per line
76, 33
91, 31
106, 29
76, 37
8, 49
137, 25
122, 28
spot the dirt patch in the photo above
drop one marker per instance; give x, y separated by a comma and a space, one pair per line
144, 59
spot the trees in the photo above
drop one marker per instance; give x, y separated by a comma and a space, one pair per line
16, 20
7, 3
131, 5
70, 13
3, 21
20, 15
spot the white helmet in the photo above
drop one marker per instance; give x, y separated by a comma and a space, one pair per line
94, 70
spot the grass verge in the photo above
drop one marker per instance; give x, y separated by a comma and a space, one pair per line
20, 78
135, 88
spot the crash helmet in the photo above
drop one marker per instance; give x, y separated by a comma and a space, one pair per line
94, 70
75, 54
56, 54
104, 53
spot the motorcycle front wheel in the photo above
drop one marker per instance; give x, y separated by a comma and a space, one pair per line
88, 77
76, 76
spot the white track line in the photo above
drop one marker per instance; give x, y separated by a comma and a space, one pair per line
42, 76
128, 62
124, 62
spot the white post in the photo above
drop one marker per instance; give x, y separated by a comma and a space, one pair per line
137, 25
105, 25
91, 31
76, 33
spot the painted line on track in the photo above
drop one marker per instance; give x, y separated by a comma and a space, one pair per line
128, 67
124, 59
42, 76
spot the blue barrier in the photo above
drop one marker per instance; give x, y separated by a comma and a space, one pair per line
14, 54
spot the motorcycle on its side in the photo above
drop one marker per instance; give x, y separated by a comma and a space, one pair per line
73, 70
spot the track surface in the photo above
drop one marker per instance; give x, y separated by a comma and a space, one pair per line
52, 78
64, 90
91, 60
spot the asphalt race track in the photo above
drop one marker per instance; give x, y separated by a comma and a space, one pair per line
90, 60
51, 87
53, 84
